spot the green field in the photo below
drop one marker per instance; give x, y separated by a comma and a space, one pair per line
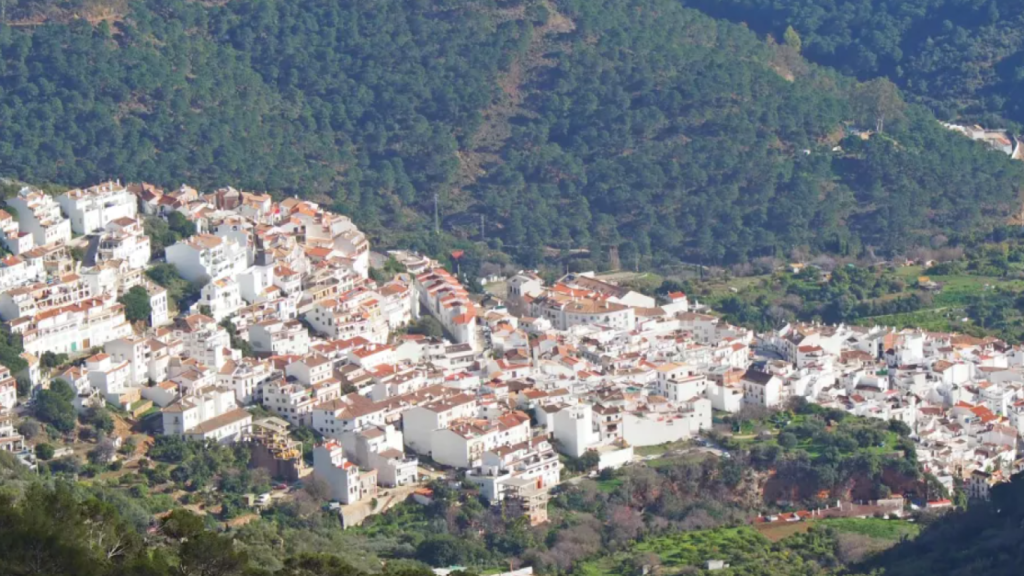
608, 486
745, 547
681, 549
659, 449
874, 527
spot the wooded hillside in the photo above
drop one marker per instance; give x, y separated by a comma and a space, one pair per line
639, 125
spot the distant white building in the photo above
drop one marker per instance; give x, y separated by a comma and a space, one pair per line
72, 328
210, 414
91, 209
420, 422
112, 378
566, 311
279, 337
322, 228
761, 388
380, 448
158, 305
574, 429
443, 296
124, 239
653, 428
39, 214
348, 483
135, 351
205, 341
221, 296
13, 238
205, 256
14, 271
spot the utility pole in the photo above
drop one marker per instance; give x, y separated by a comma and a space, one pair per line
437, 227
483, 235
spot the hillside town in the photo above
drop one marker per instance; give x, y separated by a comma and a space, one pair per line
287, 330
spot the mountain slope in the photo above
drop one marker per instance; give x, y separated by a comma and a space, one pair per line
964, 58
987, 539
637, 125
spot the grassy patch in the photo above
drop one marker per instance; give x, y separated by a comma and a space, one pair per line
608, 486
659, 449
874, 527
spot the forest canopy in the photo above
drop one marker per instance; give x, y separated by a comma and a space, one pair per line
964, 58
636, 125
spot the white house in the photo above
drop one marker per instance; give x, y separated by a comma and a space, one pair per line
443, 297
462, 443
39, 214
420, 422
279, 337
204, 256
72, 328
135, 351
244, 377
14, 271
124, 239
112, 379
91, 209
348, 483
210, 414
574, 429
221, 296
761, 388
205, 341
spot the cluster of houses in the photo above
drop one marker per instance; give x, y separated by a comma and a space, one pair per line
288, 319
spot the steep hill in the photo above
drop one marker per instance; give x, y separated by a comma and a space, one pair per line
987, 539
961, 57
639, 125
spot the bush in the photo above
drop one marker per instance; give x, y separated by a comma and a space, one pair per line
99, 418
66, 465
30, 429
44, 451
787, 440
136, 304
54, 407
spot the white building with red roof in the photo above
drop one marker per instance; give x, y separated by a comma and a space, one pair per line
444, 297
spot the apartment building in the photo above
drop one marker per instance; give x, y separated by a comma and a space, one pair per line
277, 337
14, 271
348, 483
380, 448
420, 422
245, 377
348, 414
32, 299
318, 227
72, 328
13, 238
124, 239
112, 379
565, 311
210, 414
39, 214
204, 256
534, 460
136, 352
91, 209
222, 296
443, 297
463, 442
205, 341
